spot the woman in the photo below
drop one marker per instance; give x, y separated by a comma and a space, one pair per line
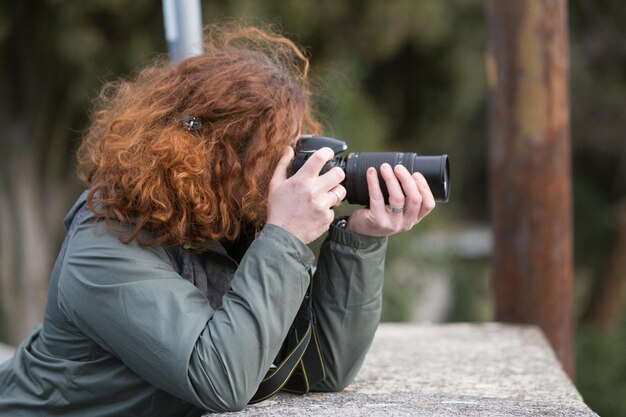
185, 262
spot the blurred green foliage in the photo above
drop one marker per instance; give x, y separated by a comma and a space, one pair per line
601, 369
393, 75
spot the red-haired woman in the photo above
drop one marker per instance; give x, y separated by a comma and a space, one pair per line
186, 262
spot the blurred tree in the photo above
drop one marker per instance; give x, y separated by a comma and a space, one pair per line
598, 129
530, 163
53, 57
608, 295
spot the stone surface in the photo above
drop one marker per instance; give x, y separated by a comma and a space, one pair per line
446, 370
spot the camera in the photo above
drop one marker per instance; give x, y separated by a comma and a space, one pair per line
436, 169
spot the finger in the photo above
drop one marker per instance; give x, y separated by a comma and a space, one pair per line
428, 200
396, 196
377, 200
315, 163
330, 179
335, 196
413, 198
280, 173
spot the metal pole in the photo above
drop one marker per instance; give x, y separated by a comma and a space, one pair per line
530, 167
183, 28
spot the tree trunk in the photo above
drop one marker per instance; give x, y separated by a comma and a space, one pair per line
26, 251
530, 167
608, 296
34, 190
28, 239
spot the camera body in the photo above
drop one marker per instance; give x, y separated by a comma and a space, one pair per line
436, 169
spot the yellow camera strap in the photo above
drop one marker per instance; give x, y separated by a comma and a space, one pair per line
302, 367
310, 369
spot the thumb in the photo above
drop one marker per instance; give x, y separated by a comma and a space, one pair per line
280, 173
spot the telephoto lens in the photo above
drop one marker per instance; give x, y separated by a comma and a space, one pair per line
436, 169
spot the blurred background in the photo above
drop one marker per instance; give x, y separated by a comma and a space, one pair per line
389, 75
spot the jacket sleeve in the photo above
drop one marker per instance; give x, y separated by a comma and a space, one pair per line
131, 302
347, 299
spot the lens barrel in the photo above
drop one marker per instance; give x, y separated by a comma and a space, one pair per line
436, 170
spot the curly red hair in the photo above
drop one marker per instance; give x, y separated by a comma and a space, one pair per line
145, 169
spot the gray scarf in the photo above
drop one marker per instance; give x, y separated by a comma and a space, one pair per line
210, 271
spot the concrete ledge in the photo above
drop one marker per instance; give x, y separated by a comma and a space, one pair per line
441, 370
446, 370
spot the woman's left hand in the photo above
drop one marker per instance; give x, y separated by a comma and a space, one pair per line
408, 194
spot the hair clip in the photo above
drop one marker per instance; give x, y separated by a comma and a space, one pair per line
192, 124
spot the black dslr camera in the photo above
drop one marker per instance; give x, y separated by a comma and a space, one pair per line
436, 169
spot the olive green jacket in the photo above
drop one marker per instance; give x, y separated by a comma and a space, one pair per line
125, 335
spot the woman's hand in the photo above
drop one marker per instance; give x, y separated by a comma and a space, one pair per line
302, 203
408, 194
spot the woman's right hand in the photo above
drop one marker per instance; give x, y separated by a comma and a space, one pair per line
301, 204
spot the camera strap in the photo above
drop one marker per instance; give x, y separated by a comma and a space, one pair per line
302, 366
